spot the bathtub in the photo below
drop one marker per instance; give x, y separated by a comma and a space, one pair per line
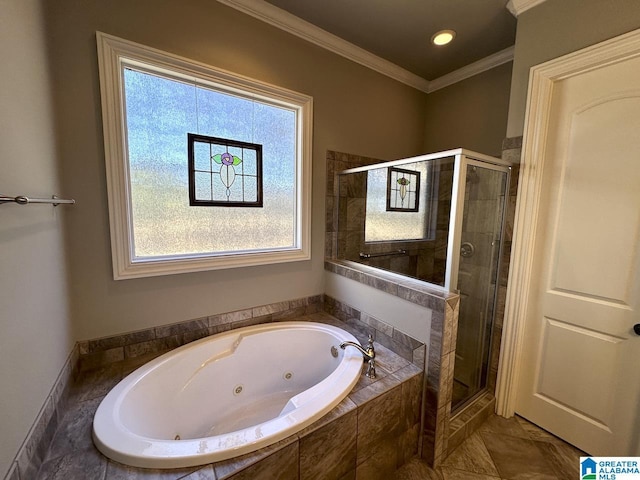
226, 395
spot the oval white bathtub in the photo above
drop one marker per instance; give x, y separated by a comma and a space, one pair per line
226, 395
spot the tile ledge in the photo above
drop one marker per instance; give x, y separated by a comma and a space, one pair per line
413, 285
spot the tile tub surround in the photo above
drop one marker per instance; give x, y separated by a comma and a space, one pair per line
33, 450
364, 325
104, 351
371, 433
440, 357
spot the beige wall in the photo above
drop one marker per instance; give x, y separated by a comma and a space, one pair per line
35, 332
558, 27
470, 114
355, 109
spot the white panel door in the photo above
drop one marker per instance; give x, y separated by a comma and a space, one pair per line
580, 369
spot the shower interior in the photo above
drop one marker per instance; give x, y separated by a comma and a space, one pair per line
438, 218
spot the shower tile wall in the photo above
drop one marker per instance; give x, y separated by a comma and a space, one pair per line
445, 187
511, 151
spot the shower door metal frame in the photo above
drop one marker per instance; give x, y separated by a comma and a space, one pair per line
464, 158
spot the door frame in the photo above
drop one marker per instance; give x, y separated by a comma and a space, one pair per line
541, 84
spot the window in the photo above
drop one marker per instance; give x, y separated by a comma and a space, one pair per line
398, 207
188, 149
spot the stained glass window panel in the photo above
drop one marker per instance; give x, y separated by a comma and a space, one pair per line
231, 184
383, 225
403, 190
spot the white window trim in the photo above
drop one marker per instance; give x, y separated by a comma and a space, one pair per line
115, 52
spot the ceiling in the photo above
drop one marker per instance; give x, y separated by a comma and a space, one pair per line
399, 31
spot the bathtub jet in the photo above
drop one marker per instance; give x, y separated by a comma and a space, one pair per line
226, 395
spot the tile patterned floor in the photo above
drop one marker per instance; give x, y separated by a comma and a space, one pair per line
503, 449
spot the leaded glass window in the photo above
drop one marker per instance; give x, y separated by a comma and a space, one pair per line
224, 172
403, 190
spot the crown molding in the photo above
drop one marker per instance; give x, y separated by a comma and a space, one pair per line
290, 23
301, 28
482, 65
516, 7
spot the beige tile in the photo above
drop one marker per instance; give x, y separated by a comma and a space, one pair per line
378, 420
269, 309
345, 407
193, 335
289, 315
408, 444
158, 345
503, 426
536, 433
203, 473
517, 458
118, 471
418, 356
382, 462
13, 473
329, 453
449, 473
88, 464
230, 317
564, 458
101, 358
281, 465
411, 399
367, 389
417, 469
350, 476
377, 324
95, 383
74, 432
472, 456
227, 468
182, 327
118, 340
456, 437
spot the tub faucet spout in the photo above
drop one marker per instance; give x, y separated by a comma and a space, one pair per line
369, 355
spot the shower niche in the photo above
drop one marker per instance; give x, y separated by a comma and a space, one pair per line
437, 218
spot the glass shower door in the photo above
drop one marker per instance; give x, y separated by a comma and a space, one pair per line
481, 240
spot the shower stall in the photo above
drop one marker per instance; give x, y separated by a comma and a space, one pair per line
438, 218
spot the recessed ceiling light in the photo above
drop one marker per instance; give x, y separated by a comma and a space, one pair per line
443, 37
